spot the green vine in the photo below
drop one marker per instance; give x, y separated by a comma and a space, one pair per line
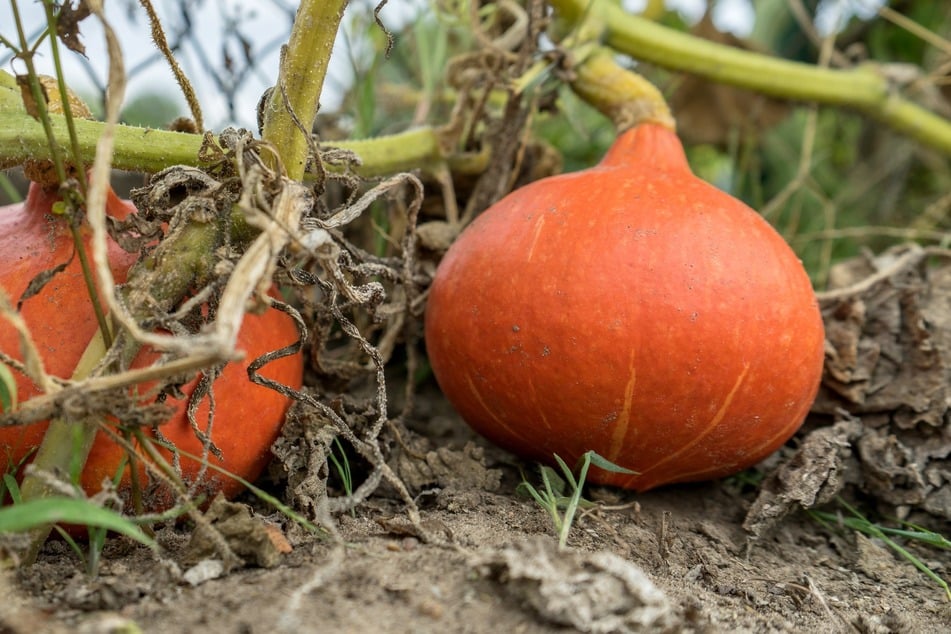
148, 150
622, 95
864, 88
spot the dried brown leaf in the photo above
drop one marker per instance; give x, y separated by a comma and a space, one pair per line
67, 25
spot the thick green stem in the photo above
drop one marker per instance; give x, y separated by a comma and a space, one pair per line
863, 88
137, 149
147, 150
290, 111
418, 148
620, 94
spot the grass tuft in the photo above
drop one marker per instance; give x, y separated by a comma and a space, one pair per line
860, 523
561, 496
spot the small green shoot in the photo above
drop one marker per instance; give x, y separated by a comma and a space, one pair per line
8, 189
338, 458
746, 480
561, 496
97, 534
8, 485
860, 523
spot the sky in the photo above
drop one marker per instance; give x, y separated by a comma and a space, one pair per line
261, 23
264, 23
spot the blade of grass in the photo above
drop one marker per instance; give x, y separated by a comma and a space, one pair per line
916, 533
56, 510
576, 486
860, 523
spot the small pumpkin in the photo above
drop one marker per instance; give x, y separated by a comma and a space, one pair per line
247, 418
631, 309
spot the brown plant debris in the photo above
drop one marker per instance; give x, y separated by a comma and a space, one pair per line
591, 592
248, 535
813, 476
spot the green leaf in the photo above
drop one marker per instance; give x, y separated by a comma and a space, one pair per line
603, 463
569, 476
8, 389
54, 510
554, 483
525, 488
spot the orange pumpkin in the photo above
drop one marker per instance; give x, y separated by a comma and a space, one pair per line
248, 417
631, 309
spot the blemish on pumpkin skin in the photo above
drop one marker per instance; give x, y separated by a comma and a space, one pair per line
488, 410
539, 409
620, 431
536, 233
794, 421
708, 429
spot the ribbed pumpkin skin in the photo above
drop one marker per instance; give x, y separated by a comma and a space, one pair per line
631, 309
247, 417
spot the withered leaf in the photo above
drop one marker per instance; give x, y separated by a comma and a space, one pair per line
248, 535
67, 25
815, 474
23, 81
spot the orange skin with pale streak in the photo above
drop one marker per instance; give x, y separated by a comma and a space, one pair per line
248, 417
631, 309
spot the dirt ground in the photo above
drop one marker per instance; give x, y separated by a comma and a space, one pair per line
676, 559
500, 572
738, 555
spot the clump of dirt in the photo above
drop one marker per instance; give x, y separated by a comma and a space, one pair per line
813, 476
592, 592
255, 541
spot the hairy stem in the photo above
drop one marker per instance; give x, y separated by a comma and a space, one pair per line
290, 111
147, 150
620, 94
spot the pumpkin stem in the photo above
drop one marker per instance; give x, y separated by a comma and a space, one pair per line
620, 94
289, 112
